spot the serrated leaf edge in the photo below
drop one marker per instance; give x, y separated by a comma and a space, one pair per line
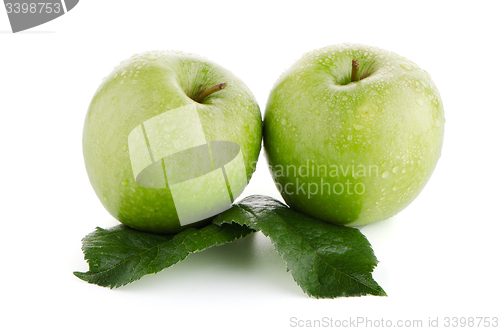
281, 254
83, 275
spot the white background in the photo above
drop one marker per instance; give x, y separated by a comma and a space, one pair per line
438, 258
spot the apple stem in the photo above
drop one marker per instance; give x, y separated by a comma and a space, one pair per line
209, 91
355, 68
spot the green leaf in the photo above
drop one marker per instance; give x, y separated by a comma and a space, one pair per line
121, 255
326, 260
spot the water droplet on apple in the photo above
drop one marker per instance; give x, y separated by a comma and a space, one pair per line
357, 126
405, 66
419, 102
403, 171
395, 188
349, 137
385, 174
395, 169
283, 121
125, 183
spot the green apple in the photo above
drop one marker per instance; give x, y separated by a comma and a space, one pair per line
170, 139
352, 133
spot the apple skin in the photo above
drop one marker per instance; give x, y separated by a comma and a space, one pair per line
145, 86
392, 120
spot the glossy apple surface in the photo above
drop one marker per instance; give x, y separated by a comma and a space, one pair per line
353, 152
146, 108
